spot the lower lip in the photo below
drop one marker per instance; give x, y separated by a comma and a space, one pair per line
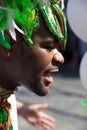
48, 77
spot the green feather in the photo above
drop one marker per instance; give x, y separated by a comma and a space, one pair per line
3, 41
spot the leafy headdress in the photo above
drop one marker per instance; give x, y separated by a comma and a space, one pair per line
22, 15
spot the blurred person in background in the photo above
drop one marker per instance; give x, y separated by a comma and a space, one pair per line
72, 52
32, 113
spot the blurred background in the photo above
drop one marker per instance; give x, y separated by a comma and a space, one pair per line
66, 93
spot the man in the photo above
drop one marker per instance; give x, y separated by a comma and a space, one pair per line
32, 33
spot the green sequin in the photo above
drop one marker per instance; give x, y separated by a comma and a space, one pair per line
3, 115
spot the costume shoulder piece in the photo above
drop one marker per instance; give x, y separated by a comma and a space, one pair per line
22, 15
5, 107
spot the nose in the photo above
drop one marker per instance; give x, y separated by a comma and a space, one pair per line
58, 58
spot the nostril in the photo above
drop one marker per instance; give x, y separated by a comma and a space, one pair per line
55, 63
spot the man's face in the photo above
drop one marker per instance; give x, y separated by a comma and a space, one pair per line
40, 60
31, 65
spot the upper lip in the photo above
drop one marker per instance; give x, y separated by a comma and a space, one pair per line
51, 69
54, 70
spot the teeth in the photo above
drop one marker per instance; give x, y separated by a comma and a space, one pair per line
47, 74
56, 70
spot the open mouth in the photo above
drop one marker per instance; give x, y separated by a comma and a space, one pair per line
48, 77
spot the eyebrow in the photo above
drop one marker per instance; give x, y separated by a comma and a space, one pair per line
47, 40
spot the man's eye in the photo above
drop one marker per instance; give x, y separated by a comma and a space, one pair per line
49, 47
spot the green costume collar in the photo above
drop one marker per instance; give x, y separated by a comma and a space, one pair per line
24, 14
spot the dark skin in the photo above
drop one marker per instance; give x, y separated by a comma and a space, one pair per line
31, 66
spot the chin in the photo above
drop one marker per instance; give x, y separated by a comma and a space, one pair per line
40, 89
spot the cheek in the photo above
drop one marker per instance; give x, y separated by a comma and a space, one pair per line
44, 57
39, 58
